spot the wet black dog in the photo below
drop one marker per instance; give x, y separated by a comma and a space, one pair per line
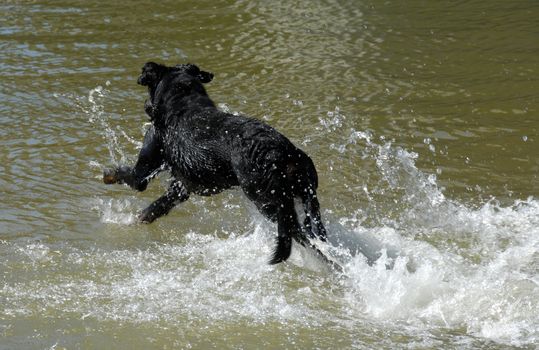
208, 151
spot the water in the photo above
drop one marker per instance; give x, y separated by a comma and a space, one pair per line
421, 119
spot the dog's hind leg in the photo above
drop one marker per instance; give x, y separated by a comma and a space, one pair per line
287, 228
175, 194
314, 228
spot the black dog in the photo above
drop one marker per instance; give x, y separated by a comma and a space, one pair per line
208, 151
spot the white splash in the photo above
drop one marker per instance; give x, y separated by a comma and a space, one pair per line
438, 264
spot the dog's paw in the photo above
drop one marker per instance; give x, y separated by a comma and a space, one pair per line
119, 175
146, 216
110, 176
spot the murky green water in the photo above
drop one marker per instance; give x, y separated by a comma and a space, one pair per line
422, 119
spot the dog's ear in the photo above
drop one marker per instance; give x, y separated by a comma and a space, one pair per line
194, 71
205, 77
151, 73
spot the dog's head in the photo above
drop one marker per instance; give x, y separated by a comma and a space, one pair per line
153, 73
170, 83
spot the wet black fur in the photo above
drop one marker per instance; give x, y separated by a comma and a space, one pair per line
208, 151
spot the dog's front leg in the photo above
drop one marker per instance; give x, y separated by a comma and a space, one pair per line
149, 109
175, 194
150, 162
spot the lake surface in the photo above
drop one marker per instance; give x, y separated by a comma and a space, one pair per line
421, 117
